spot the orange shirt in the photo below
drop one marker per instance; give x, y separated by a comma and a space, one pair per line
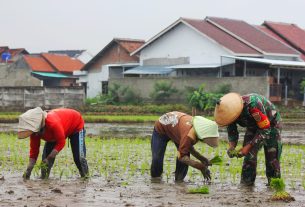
177, 125
59, 124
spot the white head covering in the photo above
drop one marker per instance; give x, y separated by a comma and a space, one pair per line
205, 128
33, 120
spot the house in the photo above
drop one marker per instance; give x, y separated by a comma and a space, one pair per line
8, 55
111, 61
52, 69
220, 47
11, 74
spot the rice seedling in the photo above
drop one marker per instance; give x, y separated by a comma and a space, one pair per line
280, 194
217, 160
199, 190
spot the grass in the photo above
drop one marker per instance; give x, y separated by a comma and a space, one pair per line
129, 159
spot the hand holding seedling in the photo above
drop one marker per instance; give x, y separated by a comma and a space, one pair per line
206, 174
27, 174
44, 168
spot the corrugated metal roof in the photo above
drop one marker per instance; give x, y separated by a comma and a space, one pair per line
190, 66
272, 63
251, 36
149, 70
51, 75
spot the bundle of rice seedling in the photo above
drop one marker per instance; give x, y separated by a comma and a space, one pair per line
280, 194
217, 160
199, 190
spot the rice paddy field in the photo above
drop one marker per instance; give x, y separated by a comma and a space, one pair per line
120, 176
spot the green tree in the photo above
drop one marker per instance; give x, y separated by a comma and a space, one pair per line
162, 90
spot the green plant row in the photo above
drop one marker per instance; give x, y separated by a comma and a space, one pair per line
129, 160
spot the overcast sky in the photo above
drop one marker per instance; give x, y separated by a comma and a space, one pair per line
42, 25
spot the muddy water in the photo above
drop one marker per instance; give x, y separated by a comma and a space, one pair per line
293, 132
142, 192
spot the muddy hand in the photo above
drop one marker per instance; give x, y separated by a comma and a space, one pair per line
206, 174
232, 152
27, 174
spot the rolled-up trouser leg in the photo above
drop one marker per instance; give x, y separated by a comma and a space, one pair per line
47, 149
158, 147
78, 146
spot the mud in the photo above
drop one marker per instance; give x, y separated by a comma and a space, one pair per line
141, 192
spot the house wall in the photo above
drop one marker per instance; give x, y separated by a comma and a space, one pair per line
99, 71
22, 98
183, 42
12, 76
114, 54
243, 85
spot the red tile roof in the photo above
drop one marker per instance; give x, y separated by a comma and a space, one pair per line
221, 37
251, 35
129, 44
291, 33
63, 63
38, 64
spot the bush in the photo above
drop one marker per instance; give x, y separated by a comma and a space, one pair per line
202, 100
119, 94
302, 86
162, 90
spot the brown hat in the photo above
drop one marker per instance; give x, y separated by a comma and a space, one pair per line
228, 109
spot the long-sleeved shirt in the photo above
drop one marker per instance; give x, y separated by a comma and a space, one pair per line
258, 113
59, 124
177, 125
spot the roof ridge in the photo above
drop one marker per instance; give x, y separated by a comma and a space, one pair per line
128, 39
282, 23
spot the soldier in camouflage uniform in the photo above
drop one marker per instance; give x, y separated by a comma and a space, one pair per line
263, 129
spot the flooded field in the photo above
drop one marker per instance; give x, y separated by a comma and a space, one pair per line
293, 132
120, 175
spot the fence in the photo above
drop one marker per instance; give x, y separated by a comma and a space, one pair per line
28, 97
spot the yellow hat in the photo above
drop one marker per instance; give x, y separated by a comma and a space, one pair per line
228, 109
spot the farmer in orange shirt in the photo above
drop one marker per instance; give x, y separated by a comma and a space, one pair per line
53, 127
185, 131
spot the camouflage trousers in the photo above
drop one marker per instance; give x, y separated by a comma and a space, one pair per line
272, 147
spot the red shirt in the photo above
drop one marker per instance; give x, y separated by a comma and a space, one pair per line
59, 124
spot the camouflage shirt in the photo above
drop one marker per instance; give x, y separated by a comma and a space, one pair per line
258, 114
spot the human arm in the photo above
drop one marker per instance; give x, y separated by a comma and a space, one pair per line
259, 114
200, 157
184, 151
233, 136
34, 152
60, 139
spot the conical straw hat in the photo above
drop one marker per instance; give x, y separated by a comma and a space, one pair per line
228, 109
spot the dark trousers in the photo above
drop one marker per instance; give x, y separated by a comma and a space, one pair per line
272, 148
78, 146
158, 147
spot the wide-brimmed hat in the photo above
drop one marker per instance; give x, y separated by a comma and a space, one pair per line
205, 128
32, 120
228, 109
